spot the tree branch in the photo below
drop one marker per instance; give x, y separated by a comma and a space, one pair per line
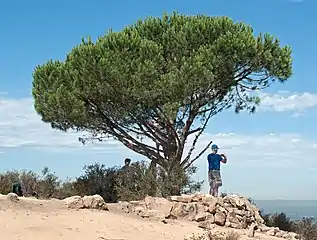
198, 156
123, 136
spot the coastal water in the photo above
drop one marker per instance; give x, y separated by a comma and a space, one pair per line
295, 209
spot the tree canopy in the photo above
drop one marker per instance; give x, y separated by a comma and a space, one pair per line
158, 81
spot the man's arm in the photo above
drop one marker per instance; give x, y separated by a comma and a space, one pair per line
224, 158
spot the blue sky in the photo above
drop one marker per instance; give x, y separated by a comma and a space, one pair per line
271, 154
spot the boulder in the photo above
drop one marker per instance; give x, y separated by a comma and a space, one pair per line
182, 210
233, 220
207, 225
236, 201
152, 214
220, 218
74, 202
159, 204
94, 202
203, 216
13, 197
124, 206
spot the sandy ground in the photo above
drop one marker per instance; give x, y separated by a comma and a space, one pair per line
31, 219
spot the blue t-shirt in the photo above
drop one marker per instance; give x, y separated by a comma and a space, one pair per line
214, 161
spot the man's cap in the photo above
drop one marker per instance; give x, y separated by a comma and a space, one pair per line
214, 146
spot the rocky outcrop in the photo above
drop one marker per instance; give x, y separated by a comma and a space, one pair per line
86, 202
231, 211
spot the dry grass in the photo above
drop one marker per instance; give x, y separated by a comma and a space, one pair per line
214, 236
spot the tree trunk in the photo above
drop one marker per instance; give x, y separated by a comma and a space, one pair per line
174, 178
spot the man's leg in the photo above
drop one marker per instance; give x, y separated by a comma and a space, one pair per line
217, 182
215, 190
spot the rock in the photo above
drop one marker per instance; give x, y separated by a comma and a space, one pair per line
159, 204
95, 202
252, 229
264, 228
183, 198
208, 225
186, 211
152, 214
227, 223
135, 204
280, 234
234, 221
290, 236
220, 201
220, 218
272, 231
124, 206
232, 210
203, 216
212, 209
209, 200
240, 212
198, 197
74, 202
138, 209
221, 209
13, 197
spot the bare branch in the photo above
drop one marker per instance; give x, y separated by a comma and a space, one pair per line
198, 156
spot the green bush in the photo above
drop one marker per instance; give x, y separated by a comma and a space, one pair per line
141, 180
97, 179
279, 220
112, 183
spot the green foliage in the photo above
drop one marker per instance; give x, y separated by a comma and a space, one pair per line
139, 181
306, 228
97, 179
136, 182
279, 220
155, 78
45, 186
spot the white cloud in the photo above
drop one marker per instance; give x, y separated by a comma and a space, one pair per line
285, 101
20, 126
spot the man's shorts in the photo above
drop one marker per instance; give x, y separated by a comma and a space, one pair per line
214, 178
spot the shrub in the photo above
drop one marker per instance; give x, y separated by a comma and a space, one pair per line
140, 180
279, 220
306, 228
136, 182
113, 184
97, 179
48, 185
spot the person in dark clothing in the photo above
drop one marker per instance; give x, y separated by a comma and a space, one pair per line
17, 189
127, 163
214, 162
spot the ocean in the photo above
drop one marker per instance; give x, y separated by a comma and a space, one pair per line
295, 209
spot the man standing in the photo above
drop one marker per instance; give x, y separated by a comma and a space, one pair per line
214, 176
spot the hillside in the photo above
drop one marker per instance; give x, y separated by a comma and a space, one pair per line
27, 218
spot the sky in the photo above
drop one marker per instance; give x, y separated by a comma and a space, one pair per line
271, 154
